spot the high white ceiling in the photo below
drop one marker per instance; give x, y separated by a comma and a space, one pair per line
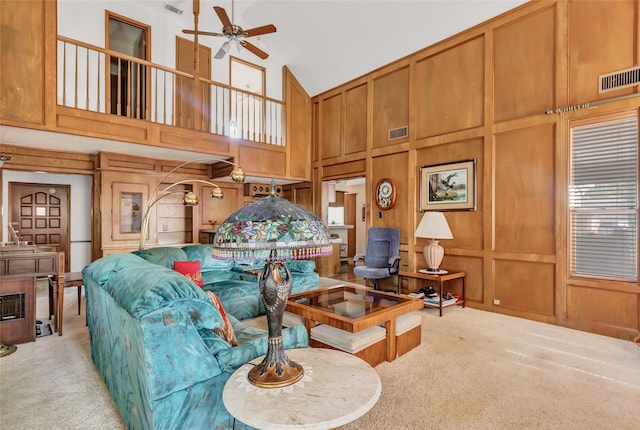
326, 43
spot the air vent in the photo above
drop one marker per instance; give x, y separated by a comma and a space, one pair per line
399, 133
173, 9
617, 80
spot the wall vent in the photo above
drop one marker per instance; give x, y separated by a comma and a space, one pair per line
399, 133
173, 9
617, 80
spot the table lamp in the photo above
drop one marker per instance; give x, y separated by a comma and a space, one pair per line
433, 226
273, 230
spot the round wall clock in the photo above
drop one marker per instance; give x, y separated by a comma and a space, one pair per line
385, 193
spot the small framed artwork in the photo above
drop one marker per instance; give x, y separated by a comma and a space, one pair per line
448, 187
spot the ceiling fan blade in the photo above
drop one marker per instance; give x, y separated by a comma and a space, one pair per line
223, 50
254, 49
265, 29
202, 33
224, 18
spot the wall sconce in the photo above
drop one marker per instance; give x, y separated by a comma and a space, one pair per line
364, 212
190, 198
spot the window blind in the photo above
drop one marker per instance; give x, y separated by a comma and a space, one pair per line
603, 199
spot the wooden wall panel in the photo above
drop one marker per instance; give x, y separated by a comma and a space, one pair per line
260, 162
344, 170
330, 131
472, 266
355, 121
390, 106
524, 66
449, 90
525, 286
394, 167
466, 227
101, 125
524, 190
298, 130
35, 159
602, 39
218, 210
22, 25
601, 310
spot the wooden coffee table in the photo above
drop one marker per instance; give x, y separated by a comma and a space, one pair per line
353, 309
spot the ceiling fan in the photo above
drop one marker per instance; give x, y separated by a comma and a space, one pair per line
235, 34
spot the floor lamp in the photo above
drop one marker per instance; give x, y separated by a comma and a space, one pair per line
189, 199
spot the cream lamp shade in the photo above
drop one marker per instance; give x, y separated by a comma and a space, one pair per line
433, 226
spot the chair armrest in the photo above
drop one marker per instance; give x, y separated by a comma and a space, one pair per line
357, 257
394, 263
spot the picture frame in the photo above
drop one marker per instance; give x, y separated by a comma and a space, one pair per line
448, 187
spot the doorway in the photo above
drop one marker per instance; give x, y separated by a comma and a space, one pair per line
40, 213
343, 204
128, 90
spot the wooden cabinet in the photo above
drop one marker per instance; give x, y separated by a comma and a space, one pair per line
17, 309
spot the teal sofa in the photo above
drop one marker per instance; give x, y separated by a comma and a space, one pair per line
235, 283
152, 337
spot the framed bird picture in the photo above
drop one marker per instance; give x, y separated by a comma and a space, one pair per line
448, 187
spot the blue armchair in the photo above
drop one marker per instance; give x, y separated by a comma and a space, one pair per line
381, 259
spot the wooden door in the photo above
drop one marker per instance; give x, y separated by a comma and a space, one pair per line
40, 213
184, 86
350, 219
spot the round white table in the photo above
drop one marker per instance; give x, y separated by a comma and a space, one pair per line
336, 388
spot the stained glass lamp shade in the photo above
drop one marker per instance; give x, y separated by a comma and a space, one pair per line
273, 230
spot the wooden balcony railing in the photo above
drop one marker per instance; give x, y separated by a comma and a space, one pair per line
100, 80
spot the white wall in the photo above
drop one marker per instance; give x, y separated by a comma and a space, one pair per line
80, 209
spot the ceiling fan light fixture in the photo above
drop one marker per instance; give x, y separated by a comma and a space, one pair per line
223, 50
235, 34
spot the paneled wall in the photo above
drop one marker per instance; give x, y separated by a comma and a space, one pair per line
489, 94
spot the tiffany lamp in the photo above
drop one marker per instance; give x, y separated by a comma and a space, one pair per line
273, 230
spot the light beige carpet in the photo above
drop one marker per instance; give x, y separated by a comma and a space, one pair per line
474, 370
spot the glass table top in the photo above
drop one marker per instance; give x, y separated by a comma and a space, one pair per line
348, 301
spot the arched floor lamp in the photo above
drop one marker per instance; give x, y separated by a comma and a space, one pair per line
189, 199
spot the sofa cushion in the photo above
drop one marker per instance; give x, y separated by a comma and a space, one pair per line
240, 298
252, 343
143, 289
163, 256
301, 266
226, 331
104, 268
191, 270
216, 276
207, 262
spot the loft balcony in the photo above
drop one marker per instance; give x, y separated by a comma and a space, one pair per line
102, 81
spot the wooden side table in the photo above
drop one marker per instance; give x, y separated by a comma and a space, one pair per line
441, 279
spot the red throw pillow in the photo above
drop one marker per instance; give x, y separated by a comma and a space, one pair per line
190, 269
226, 332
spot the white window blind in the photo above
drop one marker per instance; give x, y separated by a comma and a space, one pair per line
603, 199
